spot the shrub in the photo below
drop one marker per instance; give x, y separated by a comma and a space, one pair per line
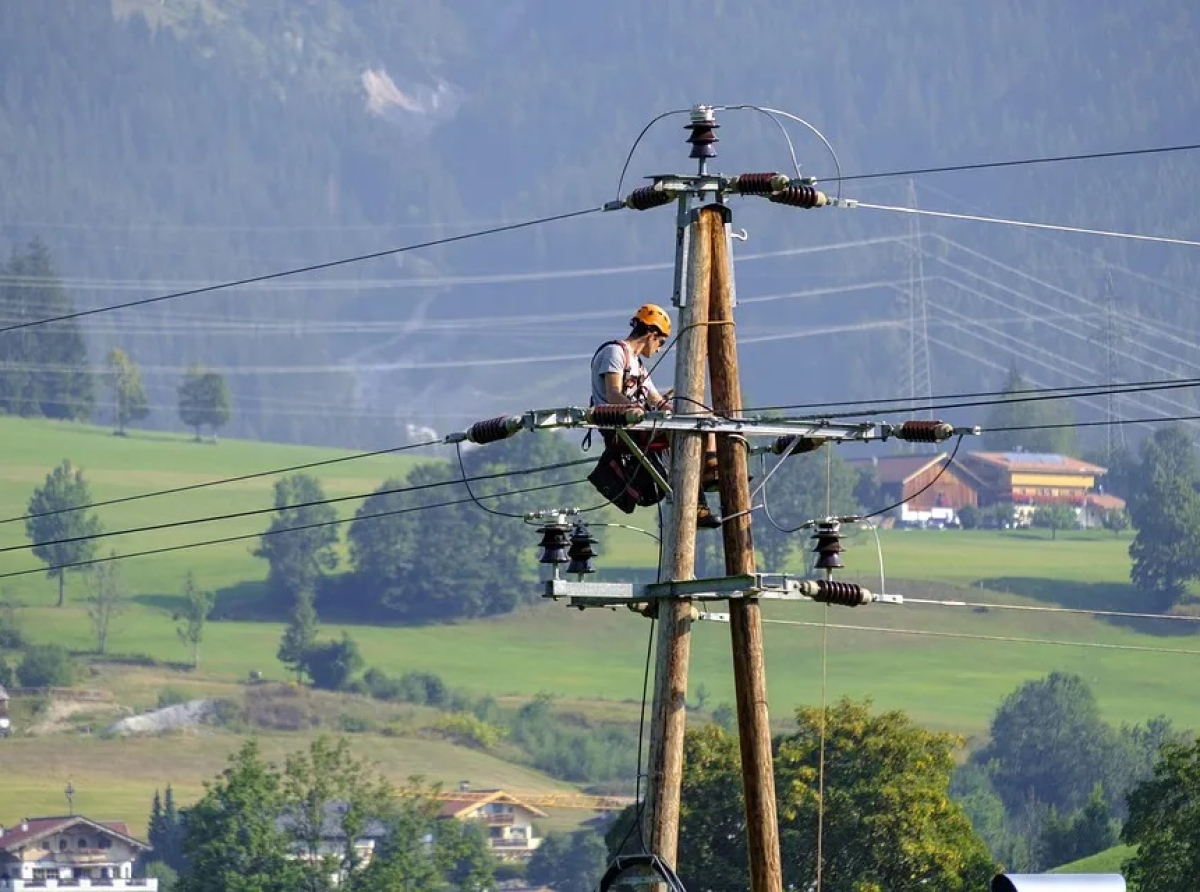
171, 697
467, 730
46, 666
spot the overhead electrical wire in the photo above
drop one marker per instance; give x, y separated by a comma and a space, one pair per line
1008, 639
1056, 227
315, 267
252, 512
1019, 162
225, 480
308, 526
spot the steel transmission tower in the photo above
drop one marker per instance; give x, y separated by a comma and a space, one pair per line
1114, 431
918, 386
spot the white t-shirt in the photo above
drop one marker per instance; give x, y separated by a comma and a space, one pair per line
618, 359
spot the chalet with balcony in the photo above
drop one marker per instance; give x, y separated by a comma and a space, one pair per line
1030, 480
70, 852
509, 821
928, 489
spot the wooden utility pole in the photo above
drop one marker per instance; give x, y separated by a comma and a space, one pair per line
678, 558
745, 616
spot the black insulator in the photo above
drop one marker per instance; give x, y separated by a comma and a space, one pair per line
554, 543
758, 183
784, 445
924, 431
615, 415
800, 197
493, 429
581, 551
703, 139
648, 197
829, 546
844, 594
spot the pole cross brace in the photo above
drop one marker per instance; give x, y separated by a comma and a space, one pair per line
764, 586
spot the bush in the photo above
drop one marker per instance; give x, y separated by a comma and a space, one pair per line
467, 730
171, 697
46, 666
331, 665
11, 636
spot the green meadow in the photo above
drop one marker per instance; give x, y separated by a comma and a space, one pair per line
948, 666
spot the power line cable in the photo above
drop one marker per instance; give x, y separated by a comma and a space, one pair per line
308, 526
1037, 608
1161, 419
977, 218
1009, 639
1020, 162
225, 480
235, 515
345, 261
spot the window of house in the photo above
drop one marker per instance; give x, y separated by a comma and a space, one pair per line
105, 842
45, 873
82, 843
62, 845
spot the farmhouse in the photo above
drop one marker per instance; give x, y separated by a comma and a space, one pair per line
73, 851
904, 478
509, 821
1030, 480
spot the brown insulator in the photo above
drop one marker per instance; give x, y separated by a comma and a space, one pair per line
616, 415
648, 197
758, 183
493, 429
800, 197
784, 445
924, 431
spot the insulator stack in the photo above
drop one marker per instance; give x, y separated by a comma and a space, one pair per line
581, 551
615, 416
758, 183
554, 544
648, 197
494, 429
703, 139
784, 445
829, 591
828, 549
925, 431
800, 197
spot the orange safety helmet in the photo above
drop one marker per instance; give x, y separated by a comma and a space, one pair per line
652, 315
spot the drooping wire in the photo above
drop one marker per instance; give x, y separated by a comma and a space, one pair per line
315, 267
936, 477
308, 526
774, 111
633, 148
224, 480
252, 512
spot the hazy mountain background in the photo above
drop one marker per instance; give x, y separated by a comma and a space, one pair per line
159, 145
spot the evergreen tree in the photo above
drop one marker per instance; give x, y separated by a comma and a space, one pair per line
57, 513
43, 368
1034, 416
129, 396
165, 831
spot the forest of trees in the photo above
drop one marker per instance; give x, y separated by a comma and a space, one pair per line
187, 148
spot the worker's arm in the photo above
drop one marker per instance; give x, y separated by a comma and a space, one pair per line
612, 390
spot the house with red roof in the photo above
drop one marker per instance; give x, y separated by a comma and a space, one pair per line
508, 820
1030, 480
70, 852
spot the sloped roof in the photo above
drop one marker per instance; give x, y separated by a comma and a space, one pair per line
461, 803
1105, 501
1047, 462
34, 829
332, 817
898, 468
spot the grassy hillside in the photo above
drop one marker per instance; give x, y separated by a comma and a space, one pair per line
1108, 861
949, 667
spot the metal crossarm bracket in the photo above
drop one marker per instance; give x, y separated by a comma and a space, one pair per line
765, 586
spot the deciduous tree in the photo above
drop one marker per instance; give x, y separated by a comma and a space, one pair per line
1055, 518
106, 599
1034, 417
1164, 823
193, 616
1164, 508
203, 400
300, 543
59, 523
129, 396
